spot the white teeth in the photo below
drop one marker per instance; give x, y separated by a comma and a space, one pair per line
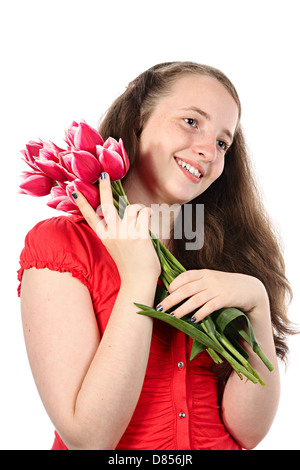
190, 168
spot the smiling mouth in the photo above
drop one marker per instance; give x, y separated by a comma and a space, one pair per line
189, 168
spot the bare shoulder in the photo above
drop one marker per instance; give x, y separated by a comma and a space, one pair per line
61, 336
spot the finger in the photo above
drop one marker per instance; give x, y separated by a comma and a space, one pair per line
192, 304
185, 278
87, 211
107, 202
209, 307
182, 293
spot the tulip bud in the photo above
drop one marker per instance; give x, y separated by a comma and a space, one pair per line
54, 170
113, 158
90, 192
69, 134
86, 138
85, 166
35, 184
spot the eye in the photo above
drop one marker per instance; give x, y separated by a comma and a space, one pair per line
191, 122
223, 145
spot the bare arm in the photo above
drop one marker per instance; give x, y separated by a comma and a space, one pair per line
249, 409
90, 387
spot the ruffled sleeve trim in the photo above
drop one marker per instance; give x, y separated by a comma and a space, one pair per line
38, 264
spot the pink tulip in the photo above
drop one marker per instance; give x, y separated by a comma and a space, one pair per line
50, 151
85, 166
54, 170
58, 195
32, 152
65, 160
113, 158
61, 201
69, 134
90, 192
67, 206
83, 137
36, 184
61, 172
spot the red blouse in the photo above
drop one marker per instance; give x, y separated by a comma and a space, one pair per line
178, 406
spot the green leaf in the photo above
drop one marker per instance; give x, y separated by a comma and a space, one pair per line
184, 326
194, 331
197, 348
231, 316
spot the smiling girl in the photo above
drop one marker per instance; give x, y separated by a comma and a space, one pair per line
112, 379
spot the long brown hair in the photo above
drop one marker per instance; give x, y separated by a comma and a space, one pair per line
239, 236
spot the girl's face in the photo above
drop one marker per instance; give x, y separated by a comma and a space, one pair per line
183, 144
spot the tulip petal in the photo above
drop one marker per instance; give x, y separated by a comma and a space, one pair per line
54, 171
85, 166
90, 192
53, 203
125, 156
37, 185
58, 192
54, 148
33, 148
112, 163
69, 133
66, 205
65, 159
86, 138
47, 154
112, 144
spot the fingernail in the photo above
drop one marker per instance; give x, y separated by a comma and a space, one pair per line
172, 315
103, 175
75, 195
193, 319
159, 308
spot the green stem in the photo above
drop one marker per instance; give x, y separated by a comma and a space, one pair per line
256, 348
238, 356
240, 365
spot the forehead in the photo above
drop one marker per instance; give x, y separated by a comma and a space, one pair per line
201, 91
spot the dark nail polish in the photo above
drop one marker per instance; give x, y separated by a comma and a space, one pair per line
159, 308
75, 195
172, 315
103, 175
193, 319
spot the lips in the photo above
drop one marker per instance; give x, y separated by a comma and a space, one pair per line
192, 170
192, 163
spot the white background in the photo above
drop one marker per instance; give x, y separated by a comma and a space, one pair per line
67, 60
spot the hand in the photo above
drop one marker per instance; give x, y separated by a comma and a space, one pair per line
127, 240
208, 291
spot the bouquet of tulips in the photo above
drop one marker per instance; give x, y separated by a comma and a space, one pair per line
59, 172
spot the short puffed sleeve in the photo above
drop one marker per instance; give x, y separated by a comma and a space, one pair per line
58, 244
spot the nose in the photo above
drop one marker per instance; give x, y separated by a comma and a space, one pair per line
205, 146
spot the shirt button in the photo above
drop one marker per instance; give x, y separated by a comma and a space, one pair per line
180, 365
181, 414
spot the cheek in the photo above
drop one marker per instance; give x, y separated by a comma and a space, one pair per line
216, 169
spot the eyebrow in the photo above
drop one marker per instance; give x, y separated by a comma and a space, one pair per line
208, 117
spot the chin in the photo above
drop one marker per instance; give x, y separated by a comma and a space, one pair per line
181, 196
